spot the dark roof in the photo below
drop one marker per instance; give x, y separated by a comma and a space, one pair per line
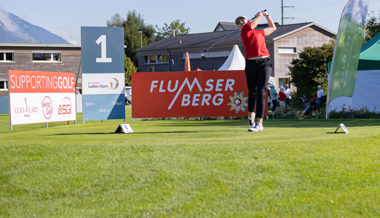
226, 26
285, 29
193, 40
203, 40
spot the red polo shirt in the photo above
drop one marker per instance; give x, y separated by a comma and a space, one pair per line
254, 41
282, 96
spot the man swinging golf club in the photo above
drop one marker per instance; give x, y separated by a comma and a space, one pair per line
257, 67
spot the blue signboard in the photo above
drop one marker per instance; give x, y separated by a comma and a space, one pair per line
103, 73
104, 107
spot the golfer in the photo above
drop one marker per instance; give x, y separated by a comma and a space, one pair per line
257, 67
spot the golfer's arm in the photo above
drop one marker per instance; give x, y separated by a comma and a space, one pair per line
256, 21
271, 26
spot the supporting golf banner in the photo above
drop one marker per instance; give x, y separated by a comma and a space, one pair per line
190, 94
346, 55
103, 73
41, 97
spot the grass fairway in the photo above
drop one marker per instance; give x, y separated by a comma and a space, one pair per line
190, 169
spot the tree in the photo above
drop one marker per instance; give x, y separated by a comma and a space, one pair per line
310, 69
115, 21
129, 68
133, 24
372, 26
174, 28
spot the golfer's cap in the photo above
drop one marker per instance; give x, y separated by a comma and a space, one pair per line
319, 86
239, 18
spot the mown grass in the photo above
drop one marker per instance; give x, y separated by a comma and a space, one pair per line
182, 168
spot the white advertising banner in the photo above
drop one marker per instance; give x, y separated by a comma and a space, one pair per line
42, 107
41, 97
103, 83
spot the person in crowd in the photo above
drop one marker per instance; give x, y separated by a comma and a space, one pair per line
288, 92
282, 98
274, 97
320, 94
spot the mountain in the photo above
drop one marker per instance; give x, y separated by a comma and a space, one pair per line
16, 30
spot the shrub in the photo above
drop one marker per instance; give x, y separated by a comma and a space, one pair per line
350, 113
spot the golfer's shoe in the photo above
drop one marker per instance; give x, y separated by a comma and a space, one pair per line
259, 127
251, 124
256, 128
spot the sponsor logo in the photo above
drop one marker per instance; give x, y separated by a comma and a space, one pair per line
65, 107
211, 92
90, 104
104, 110
47, 107
238, 102
112, 84
27, 110
118, 103
41, 81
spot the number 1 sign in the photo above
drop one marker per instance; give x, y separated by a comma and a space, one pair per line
103, 73
103, 52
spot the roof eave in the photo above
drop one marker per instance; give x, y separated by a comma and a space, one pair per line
39, 45
301, 28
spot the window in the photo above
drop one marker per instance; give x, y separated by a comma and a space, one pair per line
287, 50
6, 56
208, 54
47, 57
3, 85
152, 59
163, 59
156, 59
283, 81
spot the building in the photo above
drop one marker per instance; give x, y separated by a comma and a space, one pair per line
37, 57
208, 51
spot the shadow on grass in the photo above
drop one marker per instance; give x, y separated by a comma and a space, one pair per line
86, 133
278, 123
328, 133
134, 133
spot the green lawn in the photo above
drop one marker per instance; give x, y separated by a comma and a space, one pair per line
190, 169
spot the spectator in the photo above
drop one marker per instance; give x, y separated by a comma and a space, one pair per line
320, 94
306, 104
282, 98
273, 95
288, 92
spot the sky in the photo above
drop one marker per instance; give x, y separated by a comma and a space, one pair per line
65, 17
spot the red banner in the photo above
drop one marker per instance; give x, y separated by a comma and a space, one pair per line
21, 81
189, 94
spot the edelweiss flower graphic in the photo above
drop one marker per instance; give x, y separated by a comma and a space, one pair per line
238, 102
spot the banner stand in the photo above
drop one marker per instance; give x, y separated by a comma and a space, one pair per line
124, 128
341, 125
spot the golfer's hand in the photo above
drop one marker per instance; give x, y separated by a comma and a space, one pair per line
259, 15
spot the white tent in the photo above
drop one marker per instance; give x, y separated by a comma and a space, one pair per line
235, 61
366, 93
